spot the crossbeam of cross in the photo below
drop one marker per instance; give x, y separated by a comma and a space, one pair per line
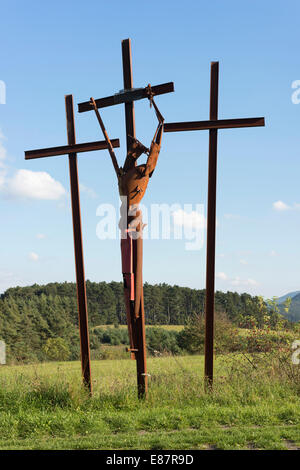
212, 125
126, 96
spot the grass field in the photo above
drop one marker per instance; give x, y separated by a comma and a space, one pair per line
44, 407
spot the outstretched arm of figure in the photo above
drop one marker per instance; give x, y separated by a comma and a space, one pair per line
110, 147
158, 133
156, 141
137, 148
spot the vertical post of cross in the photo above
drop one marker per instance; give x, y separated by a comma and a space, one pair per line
128, 84
138, 323
211, 227
78, 249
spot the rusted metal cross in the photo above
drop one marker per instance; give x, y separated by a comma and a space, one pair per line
72, 149
128, 96
212, 125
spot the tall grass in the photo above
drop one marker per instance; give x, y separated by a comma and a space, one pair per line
44, 401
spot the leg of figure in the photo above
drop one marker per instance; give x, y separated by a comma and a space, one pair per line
127, 271
138, 265
128, 282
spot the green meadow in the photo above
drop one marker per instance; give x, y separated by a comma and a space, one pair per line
254, 405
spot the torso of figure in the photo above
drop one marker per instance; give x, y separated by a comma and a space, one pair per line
133, 183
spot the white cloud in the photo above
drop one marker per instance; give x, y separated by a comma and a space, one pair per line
280, 206
222, 276
243, 261
27, 184
33, 256
237, 281
273, 253
190, 220
40, 236
2, 159
2, 178
2, 150
89, 191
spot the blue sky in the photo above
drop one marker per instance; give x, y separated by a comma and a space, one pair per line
55, 48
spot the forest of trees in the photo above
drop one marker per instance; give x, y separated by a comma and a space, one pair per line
29, 316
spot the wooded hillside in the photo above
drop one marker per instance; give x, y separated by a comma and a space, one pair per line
31, 315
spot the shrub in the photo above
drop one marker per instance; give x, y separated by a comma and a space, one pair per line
192, 337
160, 341
112, 336
264, 340
56, 349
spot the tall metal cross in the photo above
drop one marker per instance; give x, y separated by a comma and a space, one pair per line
72, 149
127, 96
212, 125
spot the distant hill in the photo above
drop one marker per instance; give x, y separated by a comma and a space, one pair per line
294, 310
281, 299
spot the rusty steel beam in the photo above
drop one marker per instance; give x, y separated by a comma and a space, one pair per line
137, 323
211, 228
78, 249
127, 95
140, 331
214, 124
67, 149
128, 83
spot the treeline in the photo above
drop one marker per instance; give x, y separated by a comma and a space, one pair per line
29, 316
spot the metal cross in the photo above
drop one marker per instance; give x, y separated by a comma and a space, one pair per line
212, 125
72, 149
127, 96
